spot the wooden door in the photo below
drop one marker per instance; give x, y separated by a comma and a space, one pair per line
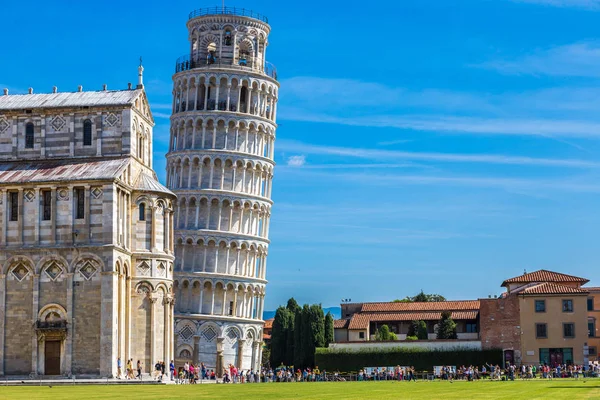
52, 358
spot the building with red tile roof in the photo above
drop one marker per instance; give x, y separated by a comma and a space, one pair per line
544, 316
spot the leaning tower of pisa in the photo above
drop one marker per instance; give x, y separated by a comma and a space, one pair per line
220, 165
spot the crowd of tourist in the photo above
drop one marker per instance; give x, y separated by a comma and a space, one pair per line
191, 374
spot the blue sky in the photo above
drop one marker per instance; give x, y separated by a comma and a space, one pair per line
432, 145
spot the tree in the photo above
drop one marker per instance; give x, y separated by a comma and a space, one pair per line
314, 332
418, 329
266, 358
299, 336
421, 297
446, 327
384, 334
329, 331
292, 305
282, 324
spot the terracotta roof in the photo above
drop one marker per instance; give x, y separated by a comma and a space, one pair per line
341, 324
421, 306
266, 336
361, 321
269, 323
592, 288
61, 170
552, 288
545, 276
69, 99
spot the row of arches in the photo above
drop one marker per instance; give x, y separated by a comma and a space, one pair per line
228, 45
220, 257
222, 93
209, 297
220, 134
223, 215
233, 175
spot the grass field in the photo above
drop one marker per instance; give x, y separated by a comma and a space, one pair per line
558, 389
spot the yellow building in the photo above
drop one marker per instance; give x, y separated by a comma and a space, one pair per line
553, 312
593, 309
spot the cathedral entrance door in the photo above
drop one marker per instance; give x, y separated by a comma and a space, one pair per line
52, 358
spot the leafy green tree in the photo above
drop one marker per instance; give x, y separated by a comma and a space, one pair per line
329, 331
446, 327
421, 297
418, 329
384, 334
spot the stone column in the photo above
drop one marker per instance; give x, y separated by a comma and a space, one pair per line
69, 339
107, 315
240, 353
21, 217
166, 331
2, 319
5, 216
34, 314
219, 366
153, 360
196, 355
128, 316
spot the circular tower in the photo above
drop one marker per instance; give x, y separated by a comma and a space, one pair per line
220, 165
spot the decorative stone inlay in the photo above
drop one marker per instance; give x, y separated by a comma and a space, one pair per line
29, 196
63, 194
58, 123
186, 333
112, 119
53, 270
209, 334
87, 270
160, 269
20, 272
232, 335
3, 125
143, 268
96, 192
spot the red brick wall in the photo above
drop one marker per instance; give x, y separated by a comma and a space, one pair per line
499, 321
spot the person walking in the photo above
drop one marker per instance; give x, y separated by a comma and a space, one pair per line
119, 368
139, 370
172, 369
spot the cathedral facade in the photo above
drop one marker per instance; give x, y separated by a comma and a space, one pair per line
86, 235
220, 164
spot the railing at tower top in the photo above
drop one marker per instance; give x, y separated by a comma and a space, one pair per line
186, 63
240, 12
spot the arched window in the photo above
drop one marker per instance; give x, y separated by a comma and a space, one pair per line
142, 212
140, 147
29, 136
87, 132
228, 37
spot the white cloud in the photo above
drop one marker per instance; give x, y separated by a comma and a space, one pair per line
296, 161
379, 155
161, 115
456, 124
555, 112
585, 4
576, 59
514, 185
161, 106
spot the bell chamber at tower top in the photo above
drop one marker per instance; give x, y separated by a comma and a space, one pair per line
228, 38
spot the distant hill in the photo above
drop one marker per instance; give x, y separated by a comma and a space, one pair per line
335, 311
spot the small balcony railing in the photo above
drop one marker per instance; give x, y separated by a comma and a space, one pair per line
51, 325
187, 62
240, 12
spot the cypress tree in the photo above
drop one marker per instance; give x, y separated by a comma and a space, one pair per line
329, 331
281, 327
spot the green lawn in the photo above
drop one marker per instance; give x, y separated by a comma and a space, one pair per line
557, 389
